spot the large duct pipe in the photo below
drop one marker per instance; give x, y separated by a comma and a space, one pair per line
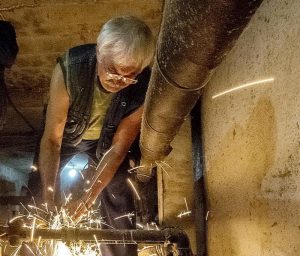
195, 36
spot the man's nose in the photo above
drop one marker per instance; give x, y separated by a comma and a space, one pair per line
120, 83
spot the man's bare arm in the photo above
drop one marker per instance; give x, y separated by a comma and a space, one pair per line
125, 135
56, 116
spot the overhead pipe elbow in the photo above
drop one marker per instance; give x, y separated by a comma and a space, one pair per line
195, 37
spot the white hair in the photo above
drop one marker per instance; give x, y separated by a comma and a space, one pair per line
127, 40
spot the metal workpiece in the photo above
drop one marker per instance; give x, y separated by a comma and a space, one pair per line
194, 38
172, 236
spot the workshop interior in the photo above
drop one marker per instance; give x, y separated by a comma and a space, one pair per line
221, 123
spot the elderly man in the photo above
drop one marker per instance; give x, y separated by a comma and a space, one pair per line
95, 106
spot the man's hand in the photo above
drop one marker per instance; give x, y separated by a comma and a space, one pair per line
77, 209
48, 198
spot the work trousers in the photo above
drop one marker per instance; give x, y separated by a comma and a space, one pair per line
116, 200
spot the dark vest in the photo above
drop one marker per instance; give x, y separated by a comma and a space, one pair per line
78, 66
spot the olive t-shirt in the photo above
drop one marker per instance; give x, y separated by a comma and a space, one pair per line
101, 102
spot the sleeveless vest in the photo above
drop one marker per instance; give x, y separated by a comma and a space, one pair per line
79, 66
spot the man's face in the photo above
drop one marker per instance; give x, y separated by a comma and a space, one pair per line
114, 77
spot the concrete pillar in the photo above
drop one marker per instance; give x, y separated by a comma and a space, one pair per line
176, 185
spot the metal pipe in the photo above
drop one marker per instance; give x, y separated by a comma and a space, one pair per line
195, 37
200, 207
103, 235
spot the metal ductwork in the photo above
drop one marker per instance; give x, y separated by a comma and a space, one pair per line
195, 36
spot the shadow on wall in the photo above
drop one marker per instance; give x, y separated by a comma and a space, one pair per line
253, 198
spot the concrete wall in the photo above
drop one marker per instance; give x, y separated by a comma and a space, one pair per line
252, 139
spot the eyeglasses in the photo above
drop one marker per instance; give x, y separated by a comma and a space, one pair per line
117, 78
110, 72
